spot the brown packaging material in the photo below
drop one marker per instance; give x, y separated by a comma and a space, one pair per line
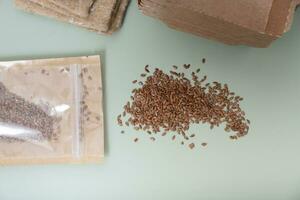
118, 16
98, 20
69, 90
78, 8
255, 23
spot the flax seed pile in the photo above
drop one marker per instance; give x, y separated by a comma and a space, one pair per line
16, 110
171, 102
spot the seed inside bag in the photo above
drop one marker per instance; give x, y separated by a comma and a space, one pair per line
173, 102
16, 110
51, 111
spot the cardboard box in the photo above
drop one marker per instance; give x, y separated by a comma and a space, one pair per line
240, 22
105, 16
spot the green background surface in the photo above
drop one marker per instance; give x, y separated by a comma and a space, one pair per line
264, 165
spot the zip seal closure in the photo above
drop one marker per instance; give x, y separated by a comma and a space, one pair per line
76, 146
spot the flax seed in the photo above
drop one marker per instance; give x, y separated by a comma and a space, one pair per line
192, 145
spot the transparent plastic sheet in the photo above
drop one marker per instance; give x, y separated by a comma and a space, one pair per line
51, 111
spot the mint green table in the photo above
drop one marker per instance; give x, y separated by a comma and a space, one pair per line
265, 165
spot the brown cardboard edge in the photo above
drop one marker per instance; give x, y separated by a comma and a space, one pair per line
119, 16
257, 42
291, 15
140, 4
278, 17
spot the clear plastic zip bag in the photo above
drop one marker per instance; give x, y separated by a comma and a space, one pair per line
51, 111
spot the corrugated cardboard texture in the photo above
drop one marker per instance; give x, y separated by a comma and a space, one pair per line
254, 23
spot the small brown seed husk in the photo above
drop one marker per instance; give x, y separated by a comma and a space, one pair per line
136, 139
233, 137
186, 66
192, 145
147, 69
204, 144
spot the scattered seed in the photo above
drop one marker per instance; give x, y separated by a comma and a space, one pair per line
135, 81
143, 75
43, 71
203, 60
122, 132
89, 77
186, 66
204, 144
174, 137
233, 137
85, 70
192, 145
198, 70
136, 139
164, 103
175, 73
152, 138
62, 70
146, 69
120, 122
182, 143
175, 67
